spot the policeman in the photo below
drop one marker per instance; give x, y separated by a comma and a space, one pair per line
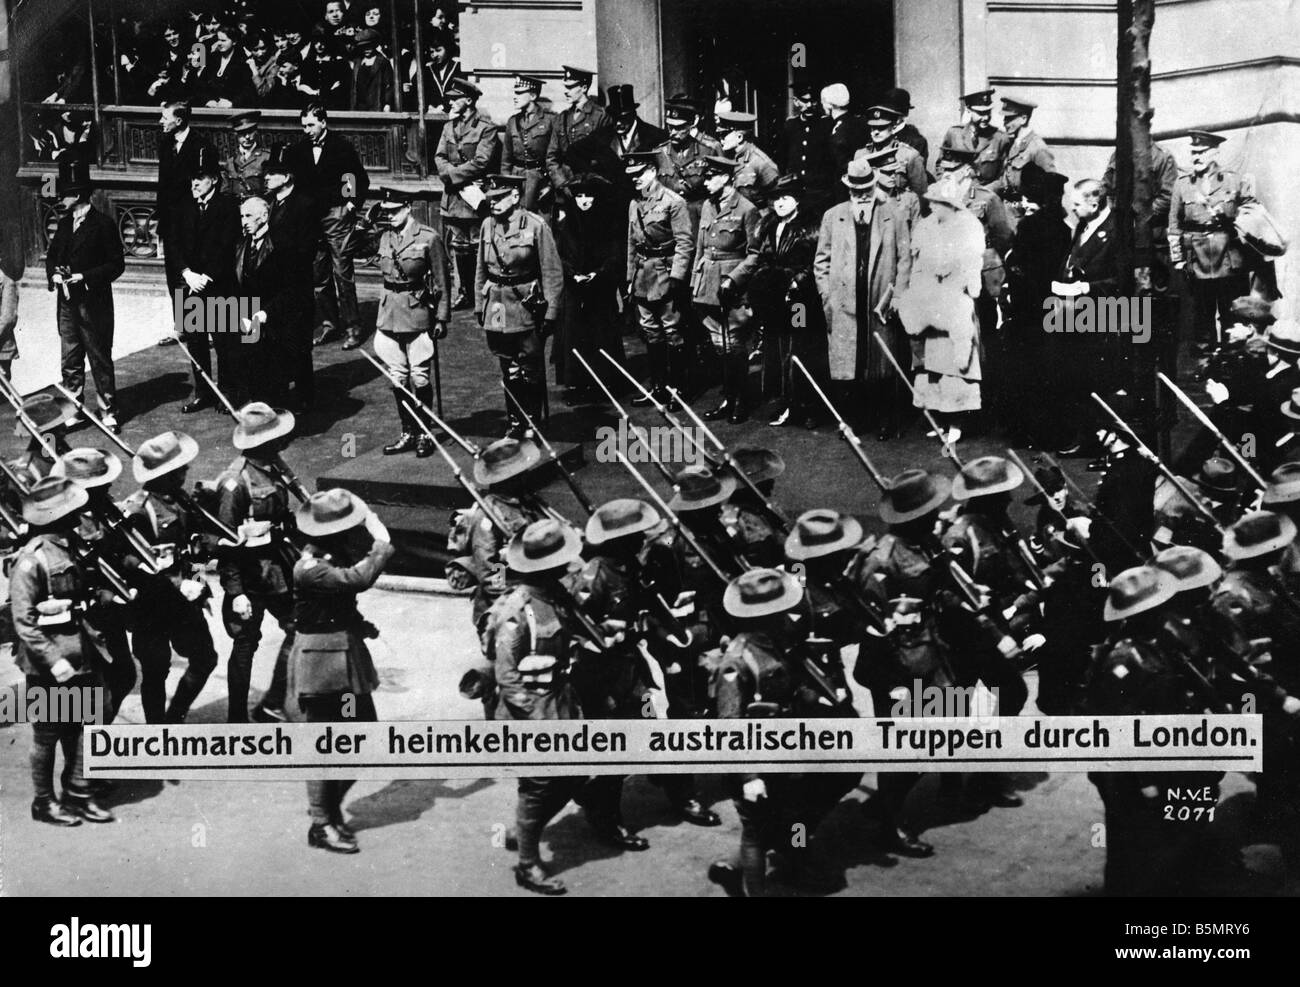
976, 134
579, 121
529, 639
468, 151
1025, 147
517, 295
172, 606
330, 672
245, 168
414, 307
48, 592
680, 161
807, 152
659, 250
1202, 238
530, 145
883, 123
256, 577
755, 173
726, 255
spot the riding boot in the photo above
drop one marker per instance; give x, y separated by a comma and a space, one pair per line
406, 441
737, 385
465, 269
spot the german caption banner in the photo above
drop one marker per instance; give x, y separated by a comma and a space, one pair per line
475, 749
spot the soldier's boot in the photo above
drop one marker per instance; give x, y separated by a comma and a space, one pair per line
406, 441
465, 264
737, 382
657, 359
423, 444
676, 368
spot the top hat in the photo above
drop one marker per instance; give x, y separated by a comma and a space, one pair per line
460, 86
327, 512
981, 99
761, 592
821, 532
698, 487
206, 162
162, 454
634, 162
1192, 567
544, 544
1017, 106
620, 518
621, 100
1041, 186
1203, 138
259, 424
912, 494
882, 116
1283, 485
527, 84
504, 459
790, 184
74, 176
898, 100
577, 77
1258, 533
499, 185
278, 160
1284, 336
1218, 477
759, 464
1138, 590
859, 174
52, 498
47, 412
245, 120
986, 476
1253, 310
88, 467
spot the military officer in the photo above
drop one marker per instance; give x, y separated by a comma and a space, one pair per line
48, 592
256, 576
468, 151
659, 251
755, 173
882, 124
517, 295
891, 181
977, 134
173, 607
1025, 147
330, 672
726, 255
1202, 238
530, 145
414, 308
680, 164
245, 168
583, 118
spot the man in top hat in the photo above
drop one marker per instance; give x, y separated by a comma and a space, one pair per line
414, 308
205, 254
660, 247
977, 134
531, 641
845, 133
53, 647
805, 150
681, 158
900, 102
726, 254
226, 80
528, 150
518, 287
372, 75
631, 132
173, 603
331, 675
882, 125
579, 121
468, 151
760, 674
755, 172
179, 148
256, 575
83, 260
294, 225
1025, 147
245, 166
1203, 240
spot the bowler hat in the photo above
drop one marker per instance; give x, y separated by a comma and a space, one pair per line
162, 454
898, 100
619, 518
327, 512
544, 544
1192, 567
52, 498
88, 467
761, 592
504, 459
1283, 485
1040, 186
1258, 533
698, 487
367, 40
821, 532
1138, 590
986, 476
912, 494
259, 424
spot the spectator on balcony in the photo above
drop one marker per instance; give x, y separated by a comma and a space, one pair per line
296, 44
173, 52
188, 86
372, 76
326, 74
372, 17
336, 24
286, 91
205, 28
263, 61
227, 79
440, 67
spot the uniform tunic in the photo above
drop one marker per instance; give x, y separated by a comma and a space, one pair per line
990, 149
726, 246
468, 151
529, 151
576, 123
244, 173
414, 296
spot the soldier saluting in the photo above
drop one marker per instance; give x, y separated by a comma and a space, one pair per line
414, 308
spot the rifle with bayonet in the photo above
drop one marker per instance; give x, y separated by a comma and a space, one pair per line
579, 494
1223, 441
673, 421
16, 402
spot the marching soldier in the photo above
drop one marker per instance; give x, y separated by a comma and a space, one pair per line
530, 145
747, 516
680, 163
583, 118
468, 151
172, 606
755, 173
245, 168
659, 250
1025, 147
257, 577
985, 143
331, 675
53, 416
517, 295
726, 254
48, 593
414, 308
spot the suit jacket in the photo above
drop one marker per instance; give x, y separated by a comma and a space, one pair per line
324, 180
94, 251
845, 136
646, 138
174, 174
206, 242
295, 227
1094, 260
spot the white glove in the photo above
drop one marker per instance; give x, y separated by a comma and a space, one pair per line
62, 670
1291, 706
242, 606
755, 790
1218, 392
191, 589
1007, 646
1033, 642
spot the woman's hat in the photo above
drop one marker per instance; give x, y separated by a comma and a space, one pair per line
912, 494
986, 476
761, 592
821, 532
259, 424
1258, 533
88, 467
697, 487
162, 454
1192, 567
620, 518
505, 458
544, 544
1138, 590
327, 512
53, 498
